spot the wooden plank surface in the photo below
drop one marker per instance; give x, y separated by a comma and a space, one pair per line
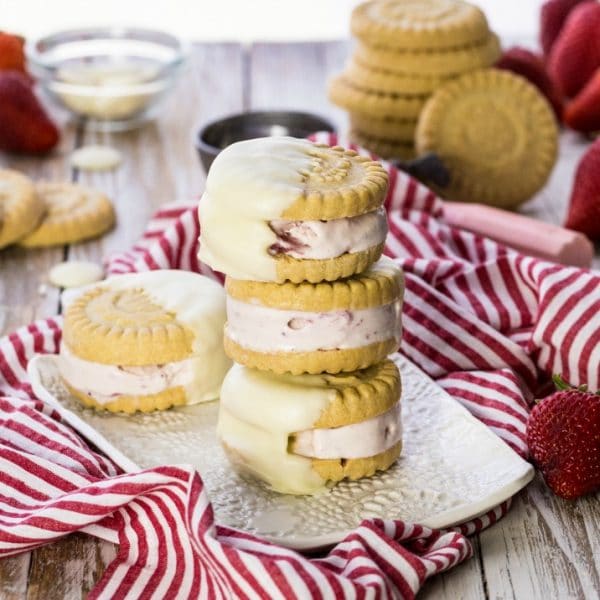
544, 548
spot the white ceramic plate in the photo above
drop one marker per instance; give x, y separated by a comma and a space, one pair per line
452, 467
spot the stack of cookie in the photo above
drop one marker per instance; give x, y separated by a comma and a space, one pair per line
312, 312
406, 49
50, 214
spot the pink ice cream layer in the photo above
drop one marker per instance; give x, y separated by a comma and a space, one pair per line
359, 440
105, 382
267, 329
328, 239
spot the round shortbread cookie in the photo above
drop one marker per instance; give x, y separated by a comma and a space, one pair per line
21, 209
384, 148
378, 80
356, 99
356, 468
431, 63
145, 341
419, 24
314, 328
73, 213
383, 129
299, 432
297, 270
318, 213
496, 134
146, 333
382, 283
315, 361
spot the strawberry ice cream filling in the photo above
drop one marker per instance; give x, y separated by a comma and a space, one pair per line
328, 239
358, 440
267, 329
105, 383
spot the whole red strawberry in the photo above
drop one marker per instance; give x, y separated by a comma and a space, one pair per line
12, 55
584, 207
575, 55
531, 66
552, 18
563, 434
24, 125
583, 112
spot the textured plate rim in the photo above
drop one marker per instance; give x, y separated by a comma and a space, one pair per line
442, 520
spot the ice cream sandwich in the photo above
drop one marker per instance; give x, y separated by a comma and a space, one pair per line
314, 328
145, 341
298, 433
284, 209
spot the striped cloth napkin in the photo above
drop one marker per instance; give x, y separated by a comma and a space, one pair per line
488, 324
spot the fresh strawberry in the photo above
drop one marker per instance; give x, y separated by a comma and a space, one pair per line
575, 55
583, 112
24, 125
563, 434
531, 66
12, 55
584, 207
552, 18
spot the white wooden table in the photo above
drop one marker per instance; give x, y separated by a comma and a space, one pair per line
545, 548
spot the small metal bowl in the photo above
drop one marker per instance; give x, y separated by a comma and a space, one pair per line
217, 135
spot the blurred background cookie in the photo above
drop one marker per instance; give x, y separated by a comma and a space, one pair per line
20, 207
496, 134
406, 49
73, 213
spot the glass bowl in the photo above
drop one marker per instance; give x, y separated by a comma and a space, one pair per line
114, 77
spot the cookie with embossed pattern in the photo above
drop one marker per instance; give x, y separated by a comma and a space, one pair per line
299, 433
74, 213
495, 133
419, 24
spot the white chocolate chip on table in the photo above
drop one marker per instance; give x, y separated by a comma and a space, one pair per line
75, 273
96, 158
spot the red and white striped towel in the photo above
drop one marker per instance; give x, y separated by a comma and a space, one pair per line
488, 324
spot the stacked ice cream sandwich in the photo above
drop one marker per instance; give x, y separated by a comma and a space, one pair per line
312, 312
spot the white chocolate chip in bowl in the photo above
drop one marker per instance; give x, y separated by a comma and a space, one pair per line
75, 273
96, 158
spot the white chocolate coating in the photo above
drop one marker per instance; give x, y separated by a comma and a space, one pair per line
357, 440
267, 329
197, 303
